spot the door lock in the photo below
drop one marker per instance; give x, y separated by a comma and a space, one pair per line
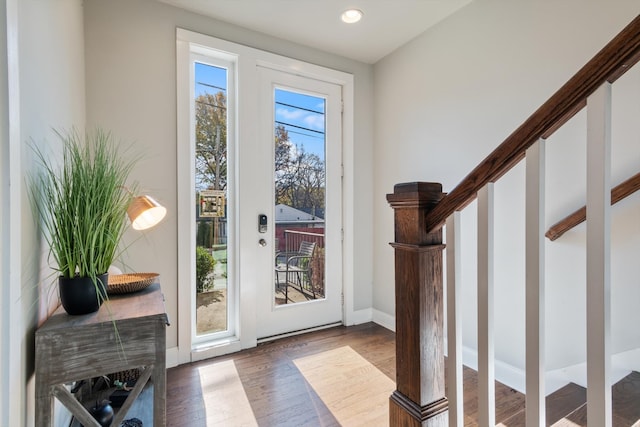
262, 223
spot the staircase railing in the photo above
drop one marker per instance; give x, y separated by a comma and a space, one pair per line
420, 211
619, 192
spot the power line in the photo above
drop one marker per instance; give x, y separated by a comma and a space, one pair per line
278, 122
210, 85
300, 108
305, 134
300, 127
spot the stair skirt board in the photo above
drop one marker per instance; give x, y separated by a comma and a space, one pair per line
622, 364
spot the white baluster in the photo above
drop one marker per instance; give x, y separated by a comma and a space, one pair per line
454, 324
486, 361
599, 257
535, 291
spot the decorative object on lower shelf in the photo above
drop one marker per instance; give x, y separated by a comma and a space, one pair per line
133, 422
102, 412
118, 397
128, 283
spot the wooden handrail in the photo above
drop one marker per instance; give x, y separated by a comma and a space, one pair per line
618, 56
618, 193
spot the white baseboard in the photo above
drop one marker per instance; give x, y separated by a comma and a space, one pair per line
627, 360
172, 357
621, 365
505, 373
361, 316
383, 319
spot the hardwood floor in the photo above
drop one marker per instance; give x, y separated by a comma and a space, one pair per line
342, 377
275, 391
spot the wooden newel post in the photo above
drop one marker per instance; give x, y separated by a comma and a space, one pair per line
419, 398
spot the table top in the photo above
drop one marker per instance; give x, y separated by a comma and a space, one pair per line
148, 302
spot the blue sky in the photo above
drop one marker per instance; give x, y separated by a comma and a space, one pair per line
302, 114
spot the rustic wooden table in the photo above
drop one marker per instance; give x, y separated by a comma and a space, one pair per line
73, 348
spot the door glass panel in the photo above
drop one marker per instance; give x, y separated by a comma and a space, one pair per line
212, 290
300, 169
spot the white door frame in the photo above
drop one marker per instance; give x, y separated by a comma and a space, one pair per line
246, 60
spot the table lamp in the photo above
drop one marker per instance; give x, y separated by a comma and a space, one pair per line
145, 212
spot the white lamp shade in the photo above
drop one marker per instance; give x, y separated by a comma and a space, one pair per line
144, 212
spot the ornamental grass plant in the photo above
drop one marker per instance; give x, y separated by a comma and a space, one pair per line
82, 202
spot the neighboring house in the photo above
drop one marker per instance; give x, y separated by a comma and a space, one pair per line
289, 218
429, 111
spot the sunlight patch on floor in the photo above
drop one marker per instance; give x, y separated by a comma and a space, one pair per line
354, 390
227, 403
566, 423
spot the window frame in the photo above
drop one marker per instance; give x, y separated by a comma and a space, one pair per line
215, 59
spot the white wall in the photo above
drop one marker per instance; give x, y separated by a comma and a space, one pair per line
450, 96
51, 63
131, 90
42, 81
4, 213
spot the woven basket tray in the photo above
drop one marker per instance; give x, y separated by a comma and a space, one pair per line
127, 283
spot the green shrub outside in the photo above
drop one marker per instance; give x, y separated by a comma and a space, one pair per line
204, 268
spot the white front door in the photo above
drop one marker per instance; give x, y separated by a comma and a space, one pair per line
299, 219
257, 143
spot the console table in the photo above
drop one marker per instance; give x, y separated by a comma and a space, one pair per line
73, 348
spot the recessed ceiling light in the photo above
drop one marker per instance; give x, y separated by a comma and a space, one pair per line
351, 16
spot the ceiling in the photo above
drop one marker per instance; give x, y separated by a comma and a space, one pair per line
385, 26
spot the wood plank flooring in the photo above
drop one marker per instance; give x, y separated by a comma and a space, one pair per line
276, 392
267, 386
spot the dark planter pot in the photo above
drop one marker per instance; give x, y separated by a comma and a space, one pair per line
79, 295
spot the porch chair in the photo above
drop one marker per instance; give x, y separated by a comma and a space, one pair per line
296, 263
